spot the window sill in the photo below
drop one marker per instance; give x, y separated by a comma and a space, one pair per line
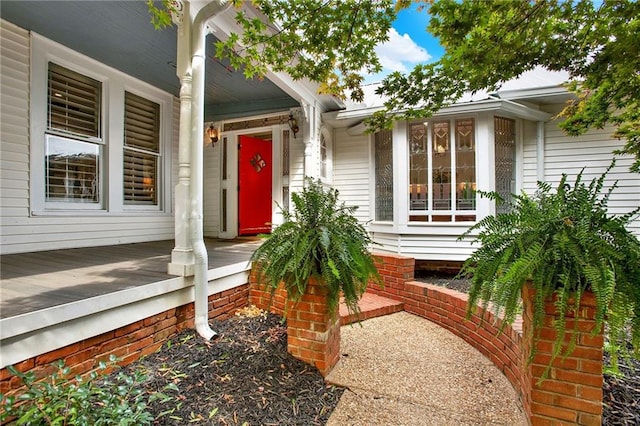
97, 213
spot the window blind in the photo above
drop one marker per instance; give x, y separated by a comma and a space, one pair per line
74, 102
141, 150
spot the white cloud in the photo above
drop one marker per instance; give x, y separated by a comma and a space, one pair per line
399, 53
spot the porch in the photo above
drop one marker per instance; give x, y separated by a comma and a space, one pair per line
52, 299
40, 280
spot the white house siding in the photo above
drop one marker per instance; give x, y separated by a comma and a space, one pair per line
432, 244
296, 164
14, 123
529, 152
351, 172
21, 231
592, 151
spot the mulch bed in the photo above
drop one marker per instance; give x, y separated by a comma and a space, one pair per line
244, 377
621, 393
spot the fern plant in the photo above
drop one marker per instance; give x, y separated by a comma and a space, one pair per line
562, 242
320, 238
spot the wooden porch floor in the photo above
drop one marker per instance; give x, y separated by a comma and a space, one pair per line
34, 281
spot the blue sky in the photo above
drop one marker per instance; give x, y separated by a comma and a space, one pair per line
409, 44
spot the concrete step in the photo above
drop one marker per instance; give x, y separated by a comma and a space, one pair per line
371, 306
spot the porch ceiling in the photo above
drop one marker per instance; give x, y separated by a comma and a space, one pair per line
119, 34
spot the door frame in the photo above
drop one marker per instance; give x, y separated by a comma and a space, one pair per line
231, 182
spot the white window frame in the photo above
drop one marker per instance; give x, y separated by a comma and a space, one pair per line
452, 211
327, 178
159, 164
114, 84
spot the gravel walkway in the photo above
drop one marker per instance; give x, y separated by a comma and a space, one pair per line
401, 369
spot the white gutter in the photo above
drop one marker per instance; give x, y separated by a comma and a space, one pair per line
201, 267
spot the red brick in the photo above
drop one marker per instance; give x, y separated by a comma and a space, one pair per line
151, 349
81, 356
543, 359
545, 421
578, 404
580, 378
553, 412
128, 328
556, 386
162, 335
590, 393
140, 344
589, 366
542, 397
23, 366
57, 354
589, 419
97, 340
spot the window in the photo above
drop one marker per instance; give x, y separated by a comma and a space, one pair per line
285, 169
141, 150
384, 175
505, 153
442, 173
73, 140
323, 156
325, 153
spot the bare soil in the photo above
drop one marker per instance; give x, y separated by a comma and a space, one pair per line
243, 377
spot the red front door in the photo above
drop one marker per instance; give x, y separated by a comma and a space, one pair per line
254, 193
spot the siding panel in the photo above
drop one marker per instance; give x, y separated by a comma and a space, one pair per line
592, 151
351, 174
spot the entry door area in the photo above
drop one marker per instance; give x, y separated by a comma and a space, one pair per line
254, 185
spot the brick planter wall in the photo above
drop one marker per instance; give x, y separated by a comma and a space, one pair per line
313, 333
573, 393
130, 342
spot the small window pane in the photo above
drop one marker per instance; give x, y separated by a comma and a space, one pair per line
418, 167
73, 102
224, 210
285, 153
141, 151
505, 153
441, 191
140, 173
384, 175
465, 165
71, 170
285, 198
323, 156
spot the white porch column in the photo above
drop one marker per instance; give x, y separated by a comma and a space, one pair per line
311, 137
182, 259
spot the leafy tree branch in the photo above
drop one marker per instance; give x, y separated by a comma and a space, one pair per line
489, 42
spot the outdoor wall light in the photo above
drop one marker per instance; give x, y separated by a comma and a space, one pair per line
213, 134
293, 124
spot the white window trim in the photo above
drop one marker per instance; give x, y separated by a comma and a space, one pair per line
453, 211
114, 84
327, 179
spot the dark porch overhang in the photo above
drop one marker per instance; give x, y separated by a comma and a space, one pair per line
119, 34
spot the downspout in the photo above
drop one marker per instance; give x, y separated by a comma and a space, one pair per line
201, 266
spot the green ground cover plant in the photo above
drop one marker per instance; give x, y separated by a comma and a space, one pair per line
98, 399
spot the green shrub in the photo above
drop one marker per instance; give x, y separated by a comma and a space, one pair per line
116, 399
562, 243
320, 238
